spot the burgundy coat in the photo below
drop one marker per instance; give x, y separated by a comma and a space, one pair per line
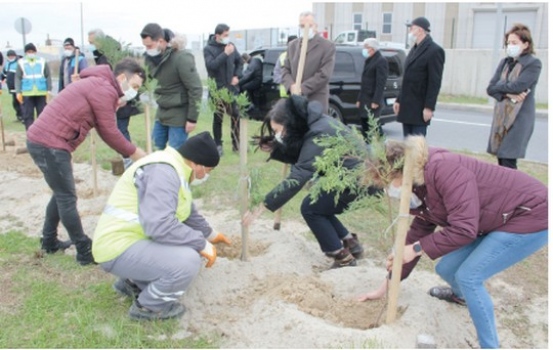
466, 198
82, 105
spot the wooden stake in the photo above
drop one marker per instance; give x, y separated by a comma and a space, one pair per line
244, 185
148, 128
2, 127
402, 227
299, 77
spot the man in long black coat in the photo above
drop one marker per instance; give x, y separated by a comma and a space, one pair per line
252, 78
422, 79
373, 82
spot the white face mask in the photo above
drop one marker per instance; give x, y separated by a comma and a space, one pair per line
395, 192
11, 59
130, 93
67, 53
513, 51
31, 56
225, 41
278, 138
310, 34
153, 52
365, 53
197, 181
411, 37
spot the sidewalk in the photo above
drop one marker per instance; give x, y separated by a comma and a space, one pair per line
540, 113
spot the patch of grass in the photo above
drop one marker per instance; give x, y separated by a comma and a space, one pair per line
60, 304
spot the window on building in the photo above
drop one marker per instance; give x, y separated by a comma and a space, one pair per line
387, 23
357, 21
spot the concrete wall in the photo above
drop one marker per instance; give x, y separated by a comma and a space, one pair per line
466, 72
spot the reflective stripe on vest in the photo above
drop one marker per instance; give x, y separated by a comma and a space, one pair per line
33, 81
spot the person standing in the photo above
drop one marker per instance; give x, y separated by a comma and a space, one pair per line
62, 127
68, 63
512, 86
151, 235
179, 89
33, 83
319, 64
224, 65
252, 79
373, 82
99, 44
478, 218
277, 71
8, 77
422, 79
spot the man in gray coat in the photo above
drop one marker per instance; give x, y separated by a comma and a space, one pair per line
319, 64
422, 79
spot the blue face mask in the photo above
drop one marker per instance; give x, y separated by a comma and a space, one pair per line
91, 47
365, 53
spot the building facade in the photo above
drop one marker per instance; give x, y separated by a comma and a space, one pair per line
454, 25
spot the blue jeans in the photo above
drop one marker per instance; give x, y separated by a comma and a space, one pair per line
56, 166
466, 269
175, 135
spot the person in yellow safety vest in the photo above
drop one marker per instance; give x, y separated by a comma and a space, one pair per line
151, 235
32, 84
277, 71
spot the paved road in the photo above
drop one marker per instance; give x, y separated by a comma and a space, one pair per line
470, 130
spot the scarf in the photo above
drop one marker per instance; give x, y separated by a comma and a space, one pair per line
505, 111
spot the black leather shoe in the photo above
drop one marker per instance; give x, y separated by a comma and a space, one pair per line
51, 248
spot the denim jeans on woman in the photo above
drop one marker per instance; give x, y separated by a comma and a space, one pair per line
56, 166
466, 269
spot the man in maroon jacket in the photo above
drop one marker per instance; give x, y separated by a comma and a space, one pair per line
62, 127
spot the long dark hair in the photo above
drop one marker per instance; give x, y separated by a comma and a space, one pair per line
292, 114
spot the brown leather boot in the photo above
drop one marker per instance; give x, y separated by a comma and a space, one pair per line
342, 259
355, 248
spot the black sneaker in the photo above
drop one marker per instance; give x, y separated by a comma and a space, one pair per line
220, 150
342, 259
57, 245
138, 312
446, 293
126, 288
355, 248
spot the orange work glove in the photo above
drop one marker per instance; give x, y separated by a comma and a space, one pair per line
19, 98
210, 253
218, 237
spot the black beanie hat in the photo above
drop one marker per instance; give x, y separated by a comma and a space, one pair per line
30, 47
69, 41
201, 149
11, 53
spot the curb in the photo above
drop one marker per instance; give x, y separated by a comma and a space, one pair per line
540, 113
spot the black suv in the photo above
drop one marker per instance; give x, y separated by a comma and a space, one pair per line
344, 83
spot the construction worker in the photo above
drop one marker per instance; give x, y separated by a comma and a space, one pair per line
68, 63
151, 235
32, 84
8, 77
277, 71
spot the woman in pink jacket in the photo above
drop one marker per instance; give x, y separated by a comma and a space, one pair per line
62, 126
489, 218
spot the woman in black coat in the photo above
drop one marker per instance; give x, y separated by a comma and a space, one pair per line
512, 86
290, 132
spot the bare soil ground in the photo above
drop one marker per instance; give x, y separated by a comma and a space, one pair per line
284, 296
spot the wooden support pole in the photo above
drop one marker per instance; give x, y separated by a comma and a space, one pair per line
244, 185
401, 234
299, 77
148, 127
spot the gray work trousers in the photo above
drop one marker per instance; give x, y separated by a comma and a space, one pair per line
163, 272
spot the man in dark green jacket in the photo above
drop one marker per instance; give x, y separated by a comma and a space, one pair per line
179, 89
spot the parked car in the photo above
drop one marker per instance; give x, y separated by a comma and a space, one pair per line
344, 83
354, 37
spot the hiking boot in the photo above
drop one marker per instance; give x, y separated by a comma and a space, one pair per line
51, 248
342, 259
355, 248
220, 150
446, 293
125, 287
138, 312
84, 252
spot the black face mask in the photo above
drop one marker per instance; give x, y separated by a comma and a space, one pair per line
156, 59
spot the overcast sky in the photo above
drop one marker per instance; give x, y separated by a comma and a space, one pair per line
124, 19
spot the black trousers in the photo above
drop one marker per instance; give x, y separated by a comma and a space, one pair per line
16, 106
364, 118
507, 162
234, 126
410, 129
30, 104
